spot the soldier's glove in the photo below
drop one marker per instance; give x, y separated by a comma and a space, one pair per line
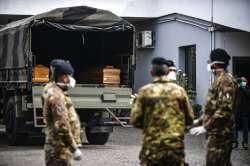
132, 98
77, 155
197, 130
196, 121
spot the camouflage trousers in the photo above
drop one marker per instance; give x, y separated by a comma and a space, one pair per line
171, 157
55, 157
219, 151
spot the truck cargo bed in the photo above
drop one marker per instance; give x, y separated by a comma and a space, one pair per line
88, 52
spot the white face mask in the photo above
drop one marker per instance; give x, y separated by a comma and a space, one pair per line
172, 76
211, 71
72, 82
209, 67
243, 84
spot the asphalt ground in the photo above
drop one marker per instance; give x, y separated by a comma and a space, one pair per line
122, 149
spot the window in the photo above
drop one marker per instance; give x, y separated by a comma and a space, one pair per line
187, 58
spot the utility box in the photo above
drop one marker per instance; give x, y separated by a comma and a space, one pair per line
145, 39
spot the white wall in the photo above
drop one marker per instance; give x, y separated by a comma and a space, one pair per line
169, 37
172, 35
235, 43
232, 13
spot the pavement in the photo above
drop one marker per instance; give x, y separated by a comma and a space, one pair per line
122, 149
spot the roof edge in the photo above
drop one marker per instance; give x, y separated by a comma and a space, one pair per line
201, 22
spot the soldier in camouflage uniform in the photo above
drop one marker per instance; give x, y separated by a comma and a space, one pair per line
53, 64
218, 118
162, 110
63, 125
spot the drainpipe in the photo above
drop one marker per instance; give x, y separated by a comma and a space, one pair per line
211, 29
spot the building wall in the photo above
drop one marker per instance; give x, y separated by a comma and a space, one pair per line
169, 37
236, 43
172, 35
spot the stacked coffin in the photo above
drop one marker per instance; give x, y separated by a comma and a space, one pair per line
111, 76
40, 74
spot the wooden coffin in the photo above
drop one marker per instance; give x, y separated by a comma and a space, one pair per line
40, 74
111, 75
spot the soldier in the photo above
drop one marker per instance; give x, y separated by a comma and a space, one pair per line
218, 118
63, 125
162, 110
242, 112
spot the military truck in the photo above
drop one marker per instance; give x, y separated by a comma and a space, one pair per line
88, 38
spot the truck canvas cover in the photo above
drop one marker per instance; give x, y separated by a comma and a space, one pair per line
15, 37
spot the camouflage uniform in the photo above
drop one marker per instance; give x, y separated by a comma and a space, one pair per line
63, 126
162, 110
218, 120
45, 94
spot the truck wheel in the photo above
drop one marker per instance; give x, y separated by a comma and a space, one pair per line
13, 126
96, 138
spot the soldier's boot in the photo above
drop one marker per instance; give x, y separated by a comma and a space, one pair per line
235, 145
244, 145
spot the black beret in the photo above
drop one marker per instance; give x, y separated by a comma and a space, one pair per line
63, 67
55, 61
219, 55
170, 63
159, 61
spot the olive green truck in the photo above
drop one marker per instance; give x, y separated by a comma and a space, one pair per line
87, 37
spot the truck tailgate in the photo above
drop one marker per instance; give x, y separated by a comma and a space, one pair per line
92, 97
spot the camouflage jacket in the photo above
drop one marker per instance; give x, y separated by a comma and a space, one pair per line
162, 110
218, 118
63, 125
45, 91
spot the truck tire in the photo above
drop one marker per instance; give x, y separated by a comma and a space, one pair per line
14, 125
96, 138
